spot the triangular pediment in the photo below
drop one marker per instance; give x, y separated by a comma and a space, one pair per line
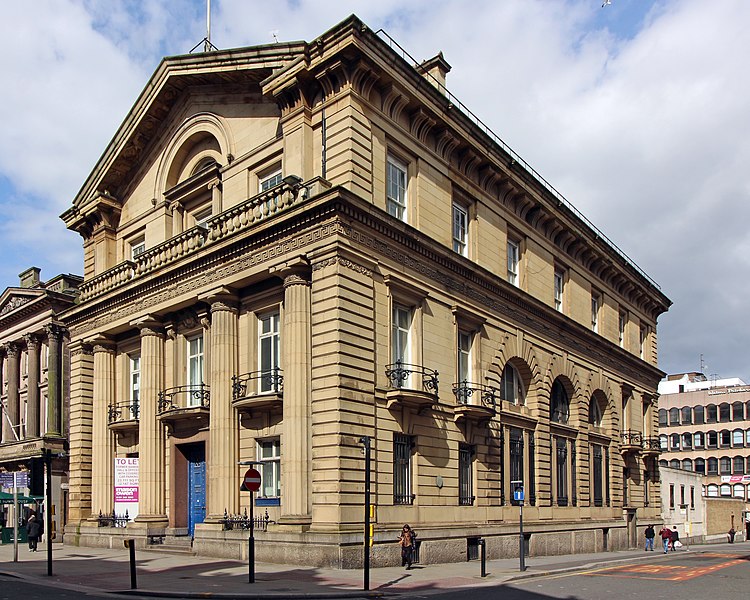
14, 299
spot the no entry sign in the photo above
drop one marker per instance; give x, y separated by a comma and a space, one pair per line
251, 481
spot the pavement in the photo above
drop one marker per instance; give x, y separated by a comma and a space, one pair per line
160, 574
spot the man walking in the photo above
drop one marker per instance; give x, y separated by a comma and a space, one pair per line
666, 537
650, 535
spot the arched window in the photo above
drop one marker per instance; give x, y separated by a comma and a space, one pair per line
725, 465
674, 441
700, 466
687, 416
674, 416
662, 417
687, 465
687, 441
699, 417
738, 411
595, 412
725, 489
559, 403
713, 490
674, 463
713, 466
699, 439
511, 386
738, 465
738, 438
724, 413
738, 491
663, 463
711, 413
712, 439
725, 438
664, 442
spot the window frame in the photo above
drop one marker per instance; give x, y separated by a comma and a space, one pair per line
269, 464
559, 289
403, 450
460, 228
513, 261
513, 385
269, 350
466, 454
134, 383
196, 366
596, 300
397, 206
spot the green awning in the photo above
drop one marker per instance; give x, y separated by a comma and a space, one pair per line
7, 498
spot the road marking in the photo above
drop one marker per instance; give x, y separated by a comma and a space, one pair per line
665, 572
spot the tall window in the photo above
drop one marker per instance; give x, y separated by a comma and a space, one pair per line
402, 489
682, 495
561, 464
269, 457
514, 254
465, 475
692, 497
559, 289
623, 319
511, 386
738, 438
724, 412
559, 403
699, 416
712, 466
460, 229
195, 366
643, 340
400, 328
711, 413
135, 384
686, 415
738, 465
396, 188
597, 474
595, 412
725, 466
700, 466
671, 496
516, 454
464, 356
268, 350
738, 411
595, 305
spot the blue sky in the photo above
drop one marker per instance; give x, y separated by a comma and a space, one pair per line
636, 111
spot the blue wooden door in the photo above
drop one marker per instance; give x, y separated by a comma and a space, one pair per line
196, 487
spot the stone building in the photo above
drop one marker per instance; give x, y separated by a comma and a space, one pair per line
35, 378
292, 246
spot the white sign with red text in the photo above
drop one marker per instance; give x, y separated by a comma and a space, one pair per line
126, 487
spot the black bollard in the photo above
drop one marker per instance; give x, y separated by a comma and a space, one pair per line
130, 545
483, 557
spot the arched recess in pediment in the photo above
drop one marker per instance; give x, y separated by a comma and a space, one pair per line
201, 138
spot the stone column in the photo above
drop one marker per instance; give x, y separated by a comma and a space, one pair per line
6, 435
151, 476
10, 423
32, 398
102, 467
223, 484
54, 380
296, 362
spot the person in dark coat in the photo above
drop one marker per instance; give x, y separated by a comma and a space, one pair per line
406, 541
33, 531
674, 537
650, 535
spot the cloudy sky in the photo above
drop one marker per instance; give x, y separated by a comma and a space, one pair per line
637, 112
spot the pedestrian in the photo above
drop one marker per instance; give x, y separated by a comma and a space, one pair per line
406, 541
674, 538
666, 537
650, 535
731, 533
33, 531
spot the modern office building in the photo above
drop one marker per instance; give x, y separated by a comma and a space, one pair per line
35, 374
704, 426
293, 247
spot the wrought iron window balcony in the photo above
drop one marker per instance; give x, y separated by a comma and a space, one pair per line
475, 401
122, 415
651, 445
258, 390
404, 499
466, 500
412, 385
113, 519
183, 397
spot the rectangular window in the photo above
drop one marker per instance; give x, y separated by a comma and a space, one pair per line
269, 457
460, 229
465, 475
195, 367
137, 247
268, 351
692, 497
266, 182
402, 489
514, 255
623, 319
202, 217
671, 495
400, 333
682, 495
559, 289
643, 340
135, 384
561, 464
396, 188
597, 473
595, 305
464, 356
516, 454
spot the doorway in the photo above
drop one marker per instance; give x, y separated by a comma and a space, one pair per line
195, 454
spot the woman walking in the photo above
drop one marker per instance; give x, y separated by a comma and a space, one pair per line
406, 541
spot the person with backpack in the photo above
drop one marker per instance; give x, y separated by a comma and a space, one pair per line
407, 541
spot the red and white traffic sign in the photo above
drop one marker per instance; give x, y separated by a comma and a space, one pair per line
251, 481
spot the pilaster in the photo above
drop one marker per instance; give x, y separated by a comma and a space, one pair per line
101, 445
11, 431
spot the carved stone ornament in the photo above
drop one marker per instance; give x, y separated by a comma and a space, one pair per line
295, 279
13, 304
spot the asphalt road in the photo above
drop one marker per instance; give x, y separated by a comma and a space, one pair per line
683, 575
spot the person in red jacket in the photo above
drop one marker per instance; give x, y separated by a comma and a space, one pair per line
666, 537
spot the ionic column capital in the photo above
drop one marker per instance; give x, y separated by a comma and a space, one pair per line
102, 343
149, 326
221, 299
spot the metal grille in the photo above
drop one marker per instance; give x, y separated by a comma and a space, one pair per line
402, 491
597, 475
562, 471
516, 455
465, 475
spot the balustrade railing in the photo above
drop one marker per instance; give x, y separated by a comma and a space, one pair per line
476, 394
184, 396
257, 382
123, 411
407, 376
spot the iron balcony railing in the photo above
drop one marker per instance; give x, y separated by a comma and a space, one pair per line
631, 438
403, 375
113, 519
258, 523
486, 395
257, 382
123, 411
184, 396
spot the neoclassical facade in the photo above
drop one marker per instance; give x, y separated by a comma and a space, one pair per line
35, 375
290, 247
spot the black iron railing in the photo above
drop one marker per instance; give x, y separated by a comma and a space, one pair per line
257, 382
123, 411
631, 438
113, 519
486, 395
259, 523
184, 396
403, 375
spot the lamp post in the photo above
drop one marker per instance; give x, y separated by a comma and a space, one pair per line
365, 441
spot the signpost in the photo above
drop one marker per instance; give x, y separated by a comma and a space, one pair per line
251, 483
518, 496
365, 441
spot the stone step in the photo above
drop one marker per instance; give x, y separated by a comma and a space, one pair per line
171, 549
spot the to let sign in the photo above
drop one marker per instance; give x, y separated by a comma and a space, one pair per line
251, 481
